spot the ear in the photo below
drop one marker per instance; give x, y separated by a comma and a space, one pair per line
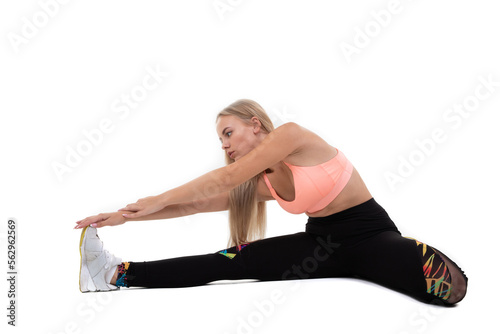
257, 125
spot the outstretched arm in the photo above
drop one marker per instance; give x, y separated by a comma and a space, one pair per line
219, 202
277, 145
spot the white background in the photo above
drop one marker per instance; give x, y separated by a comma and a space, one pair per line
66, 75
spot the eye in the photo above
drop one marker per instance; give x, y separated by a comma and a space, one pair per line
229, 133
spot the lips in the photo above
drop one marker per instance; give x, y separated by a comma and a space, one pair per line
231, 154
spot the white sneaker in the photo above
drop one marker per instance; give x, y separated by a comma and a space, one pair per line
97, 265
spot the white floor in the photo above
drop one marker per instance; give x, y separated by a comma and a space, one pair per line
50, 302
348, 306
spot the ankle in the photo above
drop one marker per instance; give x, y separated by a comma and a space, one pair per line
121, 275
115, 276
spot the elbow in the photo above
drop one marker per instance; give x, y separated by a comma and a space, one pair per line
214, 183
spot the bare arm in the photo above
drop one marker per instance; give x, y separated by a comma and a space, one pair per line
219, 202
215, 203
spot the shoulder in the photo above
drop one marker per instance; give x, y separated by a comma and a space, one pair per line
296, 131
290, 129
301, 136
311, 149
291, 135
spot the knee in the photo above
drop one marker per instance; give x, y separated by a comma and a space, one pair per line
458, 280
445, 281
458, 293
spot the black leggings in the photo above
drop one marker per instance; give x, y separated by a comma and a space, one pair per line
361, 242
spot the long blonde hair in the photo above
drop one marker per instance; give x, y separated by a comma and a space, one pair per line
247, 217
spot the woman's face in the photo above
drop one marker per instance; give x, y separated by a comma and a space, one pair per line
237, 137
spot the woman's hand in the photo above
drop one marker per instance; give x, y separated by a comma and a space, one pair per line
102, 219
144, 206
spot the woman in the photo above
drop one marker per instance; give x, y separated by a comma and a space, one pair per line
348, 234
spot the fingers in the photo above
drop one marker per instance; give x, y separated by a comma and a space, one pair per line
92, 221
97, 225
134, 210
82, 226
133, 215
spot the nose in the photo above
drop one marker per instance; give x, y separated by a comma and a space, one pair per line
225, 145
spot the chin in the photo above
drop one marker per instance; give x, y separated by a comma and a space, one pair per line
239, 156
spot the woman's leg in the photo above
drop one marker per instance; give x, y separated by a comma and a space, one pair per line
459, 280
409, 266
294, 256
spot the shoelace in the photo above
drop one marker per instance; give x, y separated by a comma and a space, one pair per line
108, 257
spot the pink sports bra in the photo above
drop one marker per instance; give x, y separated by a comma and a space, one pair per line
315, 186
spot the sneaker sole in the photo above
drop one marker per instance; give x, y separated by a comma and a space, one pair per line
83, 279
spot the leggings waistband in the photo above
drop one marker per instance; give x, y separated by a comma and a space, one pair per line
360, 221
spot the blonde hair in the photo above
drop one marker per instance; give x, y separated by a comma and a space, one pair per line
247, 217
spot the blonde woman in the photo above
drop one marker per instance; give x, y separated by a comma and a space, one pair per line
348, 234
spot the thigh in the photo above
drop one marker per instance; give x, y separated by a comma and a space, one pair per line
398, 263
295, 256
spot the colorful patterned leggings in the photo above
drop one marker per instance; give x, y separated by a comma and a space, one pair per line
360, 242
